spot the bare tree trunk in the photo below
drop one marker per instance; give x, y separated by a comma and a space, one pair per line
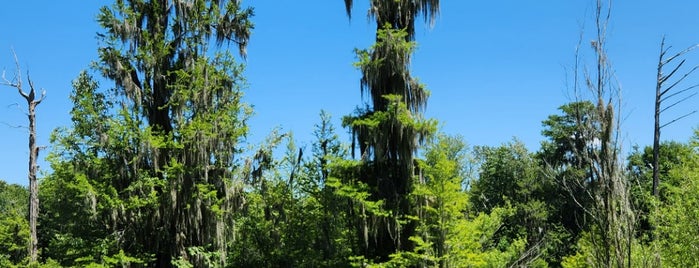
32, 102
661, 90
656, 127
33, 185
656, 139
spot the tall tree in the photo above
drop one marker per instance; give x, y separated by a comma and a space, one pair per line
663, 92
32, 101
389, 131
612, 218
182, 100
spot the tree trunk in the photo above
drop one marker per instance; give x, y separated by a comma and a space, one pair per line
660, 96
33, 185
656, 127
656, 140
32, 102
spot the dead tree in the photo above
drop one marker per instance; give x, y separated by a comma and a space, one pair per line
609, 210
664, 93
32, 102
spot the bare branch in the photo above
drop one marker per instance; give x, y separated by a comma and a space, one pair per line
680, 80
14, 126
9, 83
17, 79
665, 78
43, 96
679, 53
16, 105
663, 50
677, 102
679, 118
18, 74
32, 91
679, 92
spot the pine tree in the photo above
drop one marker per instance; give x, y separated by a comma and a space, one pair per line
389, 131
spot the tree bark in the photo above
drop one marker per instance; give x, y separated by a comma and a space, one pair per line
32, 102
33, 185
656, 127
656, 135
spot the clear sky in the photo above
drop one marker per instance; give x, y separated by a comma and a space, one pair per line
495, 68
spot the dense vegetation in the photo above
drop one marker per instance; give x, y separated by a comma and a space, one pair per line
154, 170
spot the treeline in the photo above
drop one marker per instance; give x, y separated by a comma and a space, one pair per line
155, 172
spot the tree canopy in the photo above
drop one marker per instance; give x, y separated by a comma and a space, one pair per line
155, 169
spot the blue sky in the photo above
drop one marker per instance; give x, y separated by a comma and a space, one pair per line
496, 68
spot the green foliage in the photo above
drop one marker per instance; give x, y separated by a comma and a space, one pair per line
155, 173
144, 175
442, 203
582, 258
14, 237
566, 137
510, 174
121, 259
642, 254
385, 69
448, 232
210, 258
672, 156
389, 132
567, 173
14, 226
390, 136
293, 217
13, 199
676, 216
88, 204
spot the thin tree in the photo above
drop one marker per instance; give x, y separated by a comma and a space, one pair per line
611, 216
663, 92
32, 102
